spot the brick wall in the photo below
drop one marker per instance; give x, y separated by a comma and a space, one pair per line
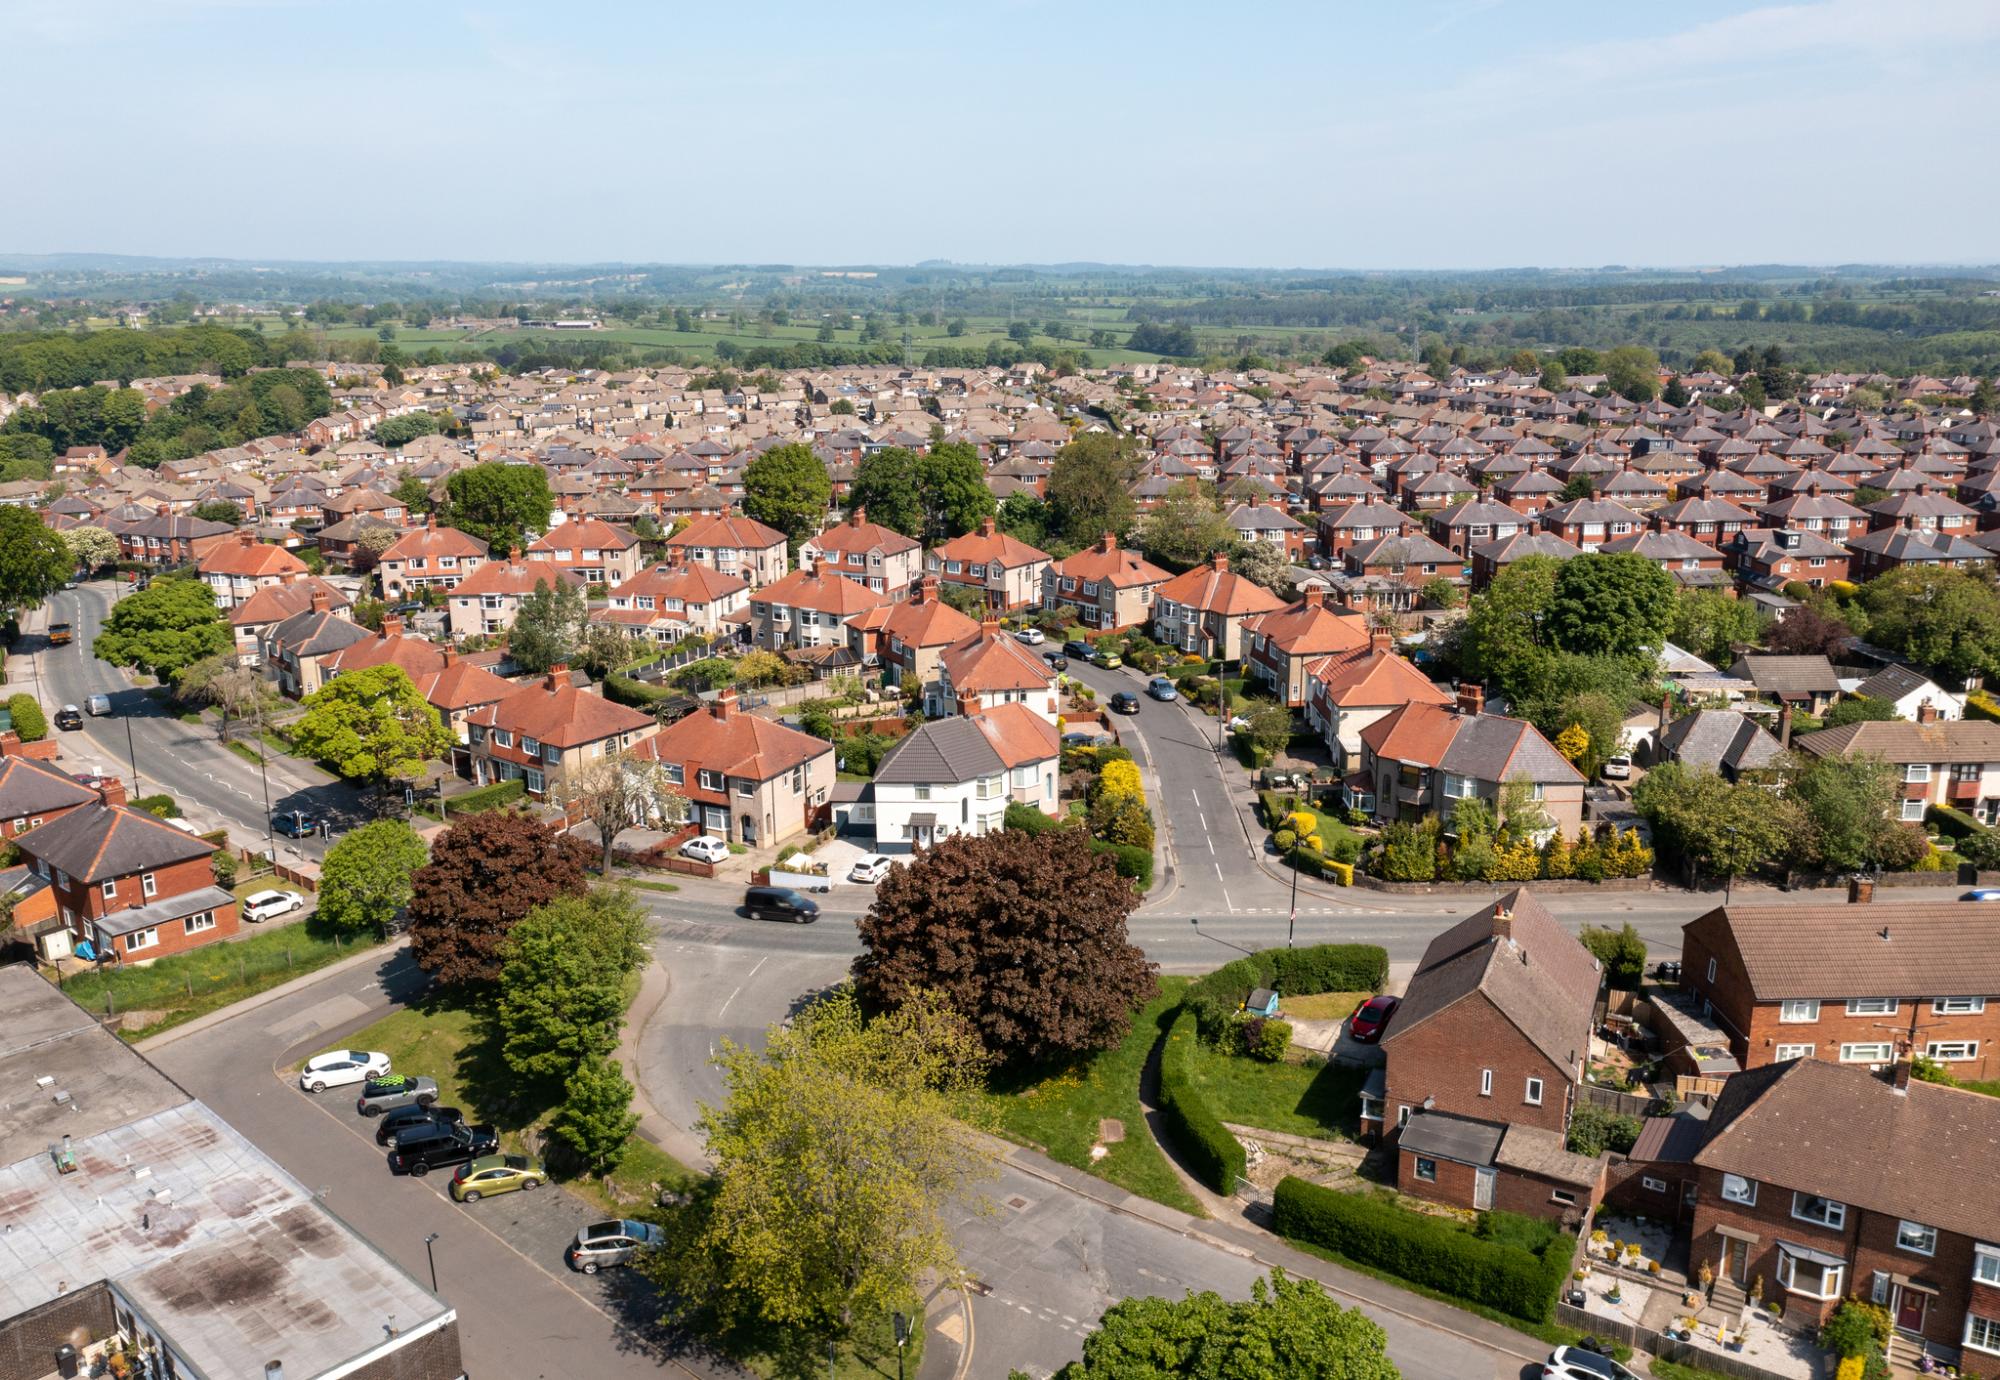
1442, 1058
177, 880
433, 1356
1533, 1196
28, 1341
1454, 1182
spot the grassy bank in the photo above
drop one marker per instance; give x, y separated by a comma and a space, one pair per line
1322, 1102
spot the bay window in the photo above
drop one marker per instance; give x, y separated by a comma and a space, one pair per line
1814, 1274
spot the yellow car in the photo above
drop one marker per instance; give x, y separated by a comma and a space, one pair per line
491, 1174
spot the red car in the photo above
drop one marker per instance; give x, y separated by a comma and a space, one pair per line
1372, 1019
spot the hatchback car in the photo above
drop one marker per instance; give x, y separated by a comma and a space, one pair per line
1106, 661
1124, 702
1077, 647
1162, 689
413, 1115
417, 1150
491, 1174
260, 906
1577, 1363
393, 1090
611, 1243
1617, 768
340, 1066
295, 824
69, 716
1057, 661
870, 867
706, 848
1033, 637
779, 903
1367, 1024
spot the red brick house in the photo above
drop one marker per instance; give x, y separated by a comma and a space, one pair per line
1282, 642
1851, 984
128, 882
548, 728
1483, 1059
746, 778
1822, 1182
34, 792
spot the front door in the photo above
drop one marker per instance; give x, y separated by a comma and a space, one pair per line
1482, 1189
1736, 1260
1910, 1306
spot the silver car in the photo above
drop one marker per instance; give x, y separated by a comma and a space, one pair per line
611, 1243
392, 1090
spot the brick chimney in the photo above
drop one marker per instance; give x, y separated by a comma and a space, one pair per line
1219, 561
10, 744
1108, 543
392, 625
1315, 597
989, 626
927, 590
986, 527
1666, 712
111, 791
557, 678
1861, 892
446, 657
1503, 922
430, 522
320, 602
1785, 725
1382, 640
1927, 713
245, 538
1899, 1074
723, 707
285, 577
968, 702
858, 516
1471, 698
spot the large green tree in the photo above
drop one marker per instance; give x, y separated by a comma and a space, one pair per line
1288, 1329
1616, 605
1633, 371
372, 725
485, 873
162, 629
1024, 934
1848, 803
1710, 624
365, 880
1718, 828
562, 980
548, 628
595, 1121
499, 504
787, 488
1185, 528
90, 547
34, 561
1504, 625
931, 495
1946, 621
1089, 487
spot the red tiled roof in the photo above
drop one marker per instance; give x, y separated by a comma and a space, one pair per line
513, 577
992, 660
989, 546
1210, 589
729, 531
433, 540
820, 591
249, 558
723, 738
559, 713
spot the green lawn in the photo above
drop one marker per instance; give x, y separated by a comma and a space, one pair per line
644, 885
1324, 1102
245, 751
1991, 1088
1323, 1006
180, 987
1061, 1112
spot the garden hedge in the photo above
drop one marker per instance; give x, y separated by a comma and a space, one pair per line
1213, 1155
165, 806
1980, 705
1424, 1250
1951, 823
1299, 972
485, 797
29, 722
1131, 861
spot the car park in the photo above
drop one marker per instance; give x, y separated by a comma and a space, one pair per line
490, 1175
1033, 637
1367, 1024
1581, 1363
417, 1150
779, 903
338, 1067
414, 1115
706, 848
1162, 689
393, 1090
603, 1244
870, 867
97, 706
295, 824
1124, 702
69, 717
260, 906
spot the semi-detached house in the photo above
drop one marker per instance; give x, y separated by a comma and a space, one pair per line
547, 729
879, 558
1941, 762
746, 778
1005, 570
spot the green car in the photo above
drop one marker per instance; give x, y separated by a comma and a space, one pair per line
491, 1174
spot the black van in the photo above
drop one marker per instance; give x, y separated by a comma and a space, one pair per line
780, 903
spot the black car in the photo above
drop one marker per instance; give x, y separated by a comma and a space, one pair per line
1077, 648
1057, 661
69, 716
1124, 702
779, 903
402, 1118
295, 824
420, 1149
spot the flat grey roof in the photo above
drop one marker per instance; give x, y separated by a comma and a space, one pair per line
166, 908
1452, 1137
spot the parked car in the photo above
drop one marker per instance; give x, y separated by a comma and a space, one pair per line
779, 903
97, 706
341, 1066
1617, 768
1124, 702
870, 867
1577, 1363
706, 848
413, 1115
1106, 661
1057, 661
393, 1090
420, 1149
611, 1243
1082, 739
260, 906
1033, 637
1162, 689
69, 716
1983, 893
1077, 648
491, 1174
295, 824
1367, 1024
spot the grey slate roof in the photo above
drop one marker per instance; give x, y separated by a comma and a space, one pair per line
942, 750
1537, 1151
28, 787
1892, 683
1715, 738
1492, 747
1898, 740
1893, 949
1787, 675
99, 842
1451, 1137
316, 633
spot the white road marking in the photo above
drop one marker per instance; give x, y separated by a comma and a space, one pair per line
724, 1009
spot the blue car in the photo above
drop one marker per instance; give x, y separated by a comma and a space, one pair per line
1162, 689
295, 824
1984, 893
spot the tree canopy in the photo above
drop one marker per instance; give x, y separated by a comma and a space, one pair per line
930, 495
1610, 605
1089, 487
562, 980
372, 725
787, 488
34, 561
485, 873
1024, 934
365, 880
1945, 620
548, 628
1185, 528
163, 628
499, 504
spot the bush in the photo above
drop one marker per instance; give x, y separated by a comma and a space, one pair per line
225, 865
1213, 1155
1856, 1329
29, 721
162, 805
1980, 705
1952, 823
486, 797
1131, 861
1427, 1251
1593, 1130
1409, 852
1027, 819
1621, 952
1328, 968
1346, 849
1274, 1038
1285, 840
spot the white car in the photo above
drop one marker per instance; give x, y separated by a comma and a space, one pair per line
870, 867
1034, 637
260, 906
1574, 1363
705, 847
338, 1066
1617, 768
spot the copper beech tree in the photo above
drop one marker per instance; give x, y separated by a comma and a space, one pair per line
1023, 934
485, 873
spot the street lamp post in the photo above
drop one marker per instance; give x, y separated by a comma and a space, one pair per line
1291, 926
901, 1323
431, 1256
132, 755
1221, 700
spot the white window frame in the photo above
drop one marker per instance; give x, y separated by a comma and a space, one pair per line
1794, 1052
1417, 1168
1986, 1264
142, 939
1872, 1006
148, 887
199, 924
1532, 1093
109, 888
1986, 1330
1834, 1214
537, 783
1912, 811
1957, 1006
1486, 1082
1925, 1242
1952, 1051
1402, 1116
1798, 1011
1831, 1277
1651, 1184
1737, 1189
1916, 774
1562, 1196
1868, 1052
712, 780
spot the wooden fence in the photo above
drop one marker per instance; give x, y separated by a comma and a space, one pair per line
1660, 1345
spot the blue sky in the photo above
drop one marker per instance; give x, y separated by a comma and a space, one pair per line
1347, 133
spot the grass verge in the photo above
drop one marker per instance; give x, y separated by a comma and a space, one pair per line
182, 986
1061, 1111
1674, 1370
1323, 1102
1324, 1006
644, 885
245, 751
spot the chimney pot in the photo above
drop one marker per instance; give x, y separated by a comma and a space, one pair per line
1471, 698
1219, 561
1503, 922
557, 677
392, 625
1315, 597
1860, 892
723, 706
111, 791
319, 600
